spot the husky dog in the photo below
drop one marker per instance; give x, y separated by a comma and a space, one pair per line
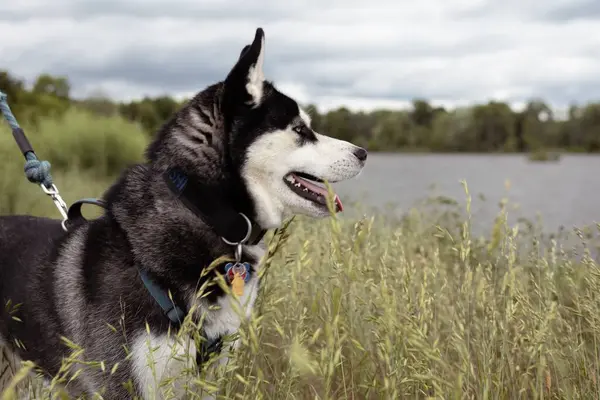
234, 162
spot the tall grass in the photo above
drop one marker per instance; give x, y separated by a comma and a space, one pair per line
412, 308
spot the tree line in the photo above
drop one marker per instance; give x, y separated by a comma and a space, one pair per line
488, 127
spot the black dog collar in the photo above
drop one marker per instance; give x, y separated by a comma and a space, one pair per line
211, 205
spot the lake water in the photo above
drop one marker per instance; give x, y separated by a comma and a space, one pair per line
564, 193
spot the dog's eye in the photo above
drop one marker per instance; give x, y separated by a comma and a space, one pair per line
301, 130
306, 134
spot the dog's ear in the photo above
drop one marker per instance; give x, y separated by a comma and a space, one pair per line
244, 50
244, 84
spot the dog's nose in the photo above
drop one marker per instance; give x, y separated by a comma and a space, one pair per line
360, 153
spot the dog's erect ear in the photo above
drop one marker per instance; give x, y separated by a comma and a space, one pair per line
244, 50
244, 84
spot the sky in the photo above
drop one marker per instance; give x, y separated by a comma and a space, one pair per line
359, 54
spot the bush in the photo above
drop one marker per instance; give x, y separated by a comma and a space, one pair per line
104, 145
86, 152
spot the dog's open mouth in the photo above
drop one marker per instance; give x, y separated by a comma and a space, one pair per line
310, 188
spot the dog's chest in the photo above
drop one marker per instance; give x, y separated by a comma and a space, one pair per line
227, 317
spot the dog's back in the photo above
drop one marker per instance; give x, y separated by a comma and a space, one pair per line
24, 241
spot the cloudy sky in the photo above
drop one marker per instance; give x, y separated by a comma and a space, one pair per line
362, 54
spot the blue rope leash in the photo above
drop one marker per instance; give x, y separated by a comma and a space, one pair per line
10, 118
36, 171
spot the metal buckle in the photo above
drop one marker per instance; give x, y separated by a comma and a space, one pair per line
248, 233
238, 246
58, 202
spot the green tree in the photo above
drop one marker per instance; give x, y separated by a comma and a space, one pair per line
54, 86
489, 127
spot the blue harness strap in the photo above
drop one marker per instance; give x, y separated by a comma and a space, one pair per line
171, 310
176, 315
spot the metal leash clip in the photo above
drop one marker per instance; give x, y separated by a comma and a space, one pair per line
58, 202
29, 154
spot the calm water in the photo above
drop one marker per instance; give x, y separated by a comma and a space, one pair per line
566, 193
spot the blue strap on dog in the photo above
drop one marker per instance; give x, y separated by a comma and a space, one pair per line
171, 310
176, 315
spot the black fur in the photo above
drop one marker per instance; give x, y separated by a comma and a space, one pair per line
26, 243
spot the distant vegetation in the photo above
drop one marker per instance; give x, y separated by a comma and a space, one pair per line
544, 155
490, 127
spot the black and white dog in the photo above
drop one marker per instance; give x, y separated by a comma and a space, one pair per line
234, 162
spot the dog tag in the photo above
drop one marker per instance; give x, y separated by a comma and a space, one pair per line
237, 286
237, 275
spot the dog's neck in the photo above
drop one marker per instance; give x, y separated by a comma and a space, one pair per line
166, 238
226, 207
196, 141
165, 235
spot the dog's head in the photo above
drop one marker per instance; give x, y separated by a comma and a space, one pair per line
255, 146
280, 158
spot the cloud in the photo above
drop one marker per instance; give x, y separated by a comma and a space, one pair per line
331, 52
554, 11
577, 10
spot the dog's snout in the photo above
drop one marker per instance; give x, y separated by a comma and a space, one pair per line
360, 153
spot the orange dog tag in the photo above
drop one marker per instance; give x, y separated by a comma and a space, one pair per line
237, 285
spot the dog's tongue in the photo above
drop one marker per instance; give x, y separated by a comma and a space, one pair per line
338, 202
322, 191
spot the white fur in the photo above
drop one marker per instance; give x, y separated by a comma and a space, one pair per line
275, 154
228, 317
71, 305
305, 117
256, 76
157, 358
171, 358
